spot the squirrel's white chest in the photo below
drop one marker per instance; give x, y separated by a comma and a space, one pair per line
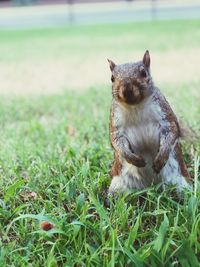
144, 136
141, 126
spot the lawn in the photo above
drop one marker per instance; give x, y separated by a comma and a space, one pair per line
55, 153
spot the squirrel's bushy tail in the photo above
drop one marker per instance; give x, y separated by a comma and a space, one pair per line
187, 133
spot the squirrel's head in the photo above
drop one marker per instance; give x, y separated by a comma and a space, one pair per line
131, 81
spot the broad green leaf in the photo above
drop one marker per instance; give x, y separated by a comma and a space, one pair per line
80, 200
158, 243
134, 259
192, 207
187, 256
11, 190
133, 233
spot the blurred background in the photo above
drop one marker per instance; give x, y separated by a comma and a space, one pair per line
49, 46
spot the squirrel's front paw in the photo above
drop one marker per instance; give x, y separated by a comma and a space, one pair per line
158, 164
136, 160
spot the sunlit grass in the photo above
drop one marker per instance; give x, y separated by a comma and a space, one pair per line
57, 146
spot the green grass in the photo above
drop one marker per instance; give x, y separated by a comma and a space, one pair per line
90, 40
70, 175
69, 171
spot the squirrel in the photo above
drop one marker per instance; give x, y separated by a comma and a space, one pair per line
144, 132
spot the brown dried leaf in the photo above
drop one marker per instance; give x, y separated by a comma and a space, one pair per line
28, 196
71, 130
46, 226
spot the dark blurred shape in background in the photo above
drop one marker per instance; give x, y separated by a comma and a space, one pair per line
49, 13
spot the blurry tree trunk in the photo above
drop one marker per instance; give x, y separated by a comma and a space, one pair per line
153, 9
70, 11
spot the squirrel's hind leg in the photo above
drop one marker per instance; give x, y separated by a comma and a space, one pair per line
174, 172
126, 180
122, 184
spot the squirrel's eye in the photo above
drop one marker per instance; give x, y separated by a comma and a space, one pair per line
112, 78
143, 73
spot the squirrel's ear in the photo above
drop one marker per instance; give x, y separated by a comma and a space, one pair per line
111, 64
146, 59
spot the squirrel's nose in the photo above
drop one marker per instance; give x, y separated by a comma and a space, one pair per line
128, 90
127, 86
